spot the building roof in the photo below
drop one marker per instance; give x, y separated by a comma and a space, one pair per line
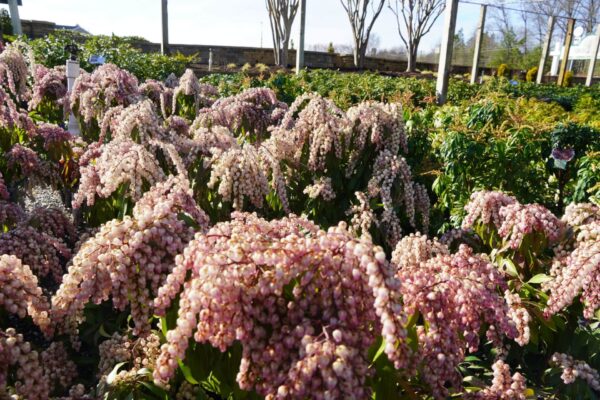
75, 28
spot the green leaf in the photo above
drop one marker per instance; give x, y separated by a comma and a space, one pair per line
157, 391
510, 267
540, 278
163, 326
379, 352
103, 332
187, 373
113, 374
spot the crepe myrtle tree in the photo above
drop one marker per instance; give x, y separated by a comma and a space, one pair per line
362, 15
414, 19
281, 18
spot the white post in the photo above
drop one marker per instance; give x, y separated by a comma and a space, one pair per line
478, 43
164, 46
14, 17
72, 74
555, 60
545, 51
445, 61
300, 51
210, 60
593, 58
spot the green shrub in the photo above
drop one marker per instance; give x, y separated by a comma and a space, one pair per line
531, 74
121, 51
568, 79
502, 71
5, 22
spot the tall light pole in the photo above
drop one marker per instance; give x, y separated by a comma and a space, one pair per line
445, 60
13, 6
164, 46
300, 51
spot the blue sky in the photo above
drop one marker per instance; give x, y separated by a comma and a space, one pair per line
221, 22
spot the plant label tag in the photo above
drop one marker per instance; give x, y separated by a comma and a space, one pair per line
97, 60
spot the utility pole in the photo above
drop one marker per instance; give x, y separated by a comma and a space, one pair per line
593, 58
164, 46
13, 6
545, 50
300, 51
478, 43
445, 60
562, 72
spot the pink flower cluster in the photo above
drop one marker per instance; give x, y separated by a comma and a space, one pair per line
4, 195
512, 219
59, 369
251, 111
11, 116
484, 207
314, 127
10, 214
14, 71
49, 84
159, 94
108, 86
578, 271
43, 253
119, 162
129, 260
573, 369
240, 174
138, 122
414, 249
305, 305
455, 295
519, 220
20, 293
52, 136
54, 222
321, 188
135, 353
504, 386
203, 95
17, 356
378, 124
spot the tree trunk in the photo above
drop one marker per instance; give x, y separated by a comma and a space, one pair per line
412, 59
283, 59
359, 55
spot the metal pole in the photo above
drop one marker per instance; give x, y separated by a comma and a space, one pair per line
72, 74
164, 46
445, 61
300, 51
210, 60
565, 56
593, 58
14, 17
478, 43
545, 50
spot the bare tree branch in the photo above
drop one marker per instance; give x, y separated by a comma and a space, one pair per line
414, 19
281, 18
362, 21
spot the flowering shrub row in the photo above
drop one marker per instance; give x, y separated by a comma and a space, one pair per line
191, 246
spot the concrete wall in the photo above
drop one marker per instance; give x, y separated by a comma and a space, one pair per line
37, 29
224, 55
